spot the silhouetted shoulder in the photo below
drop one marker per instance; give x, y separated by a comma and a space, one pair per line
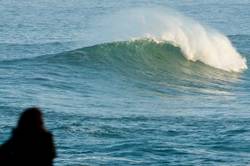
6, 153
50, 145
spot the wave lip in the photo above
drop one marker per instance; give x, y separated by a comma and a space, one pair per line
207, 46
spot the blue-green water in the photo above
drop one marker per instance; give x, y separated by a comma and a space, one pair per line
116, 90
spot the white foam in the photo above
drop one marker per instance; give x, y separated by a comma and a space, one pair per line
197, 42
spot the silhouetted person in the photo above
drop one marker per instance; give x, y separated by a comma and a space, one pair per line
30, 144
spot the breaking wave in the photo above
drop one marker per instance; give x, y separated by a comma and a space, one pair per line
196, 42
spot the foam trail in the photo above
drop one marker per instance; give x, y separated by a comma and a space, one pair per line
197, 42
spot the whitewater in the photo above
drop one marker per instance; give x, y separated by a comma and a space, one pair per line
131, 82
197, 42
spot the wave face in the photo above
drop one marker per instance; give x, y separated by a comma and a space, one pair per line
197, 42
148, 62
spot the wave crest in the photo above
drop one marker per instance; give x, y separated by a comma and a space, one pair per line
197, 42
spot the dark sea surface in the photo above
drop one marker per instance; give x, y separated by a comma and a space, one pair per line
131, 82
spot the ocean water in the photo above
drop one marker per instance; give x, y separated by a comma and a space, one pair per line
131, 82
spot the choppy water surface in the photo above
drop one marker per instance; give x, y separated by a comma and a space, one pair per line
131, 83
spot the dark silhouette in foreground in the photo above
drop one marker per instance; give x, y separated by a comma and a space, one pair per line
30, 144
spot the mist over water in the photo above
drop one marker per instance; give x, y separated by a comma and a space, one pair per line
197, 42
131, 82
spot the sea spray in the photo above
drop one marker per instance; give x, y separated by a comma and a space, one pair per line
196, 41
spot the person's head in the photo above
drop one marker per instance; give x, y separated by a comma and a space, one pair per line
31, 119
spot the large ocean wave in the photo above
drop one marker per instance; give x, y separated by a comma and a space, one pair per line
196, 42
157, 67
